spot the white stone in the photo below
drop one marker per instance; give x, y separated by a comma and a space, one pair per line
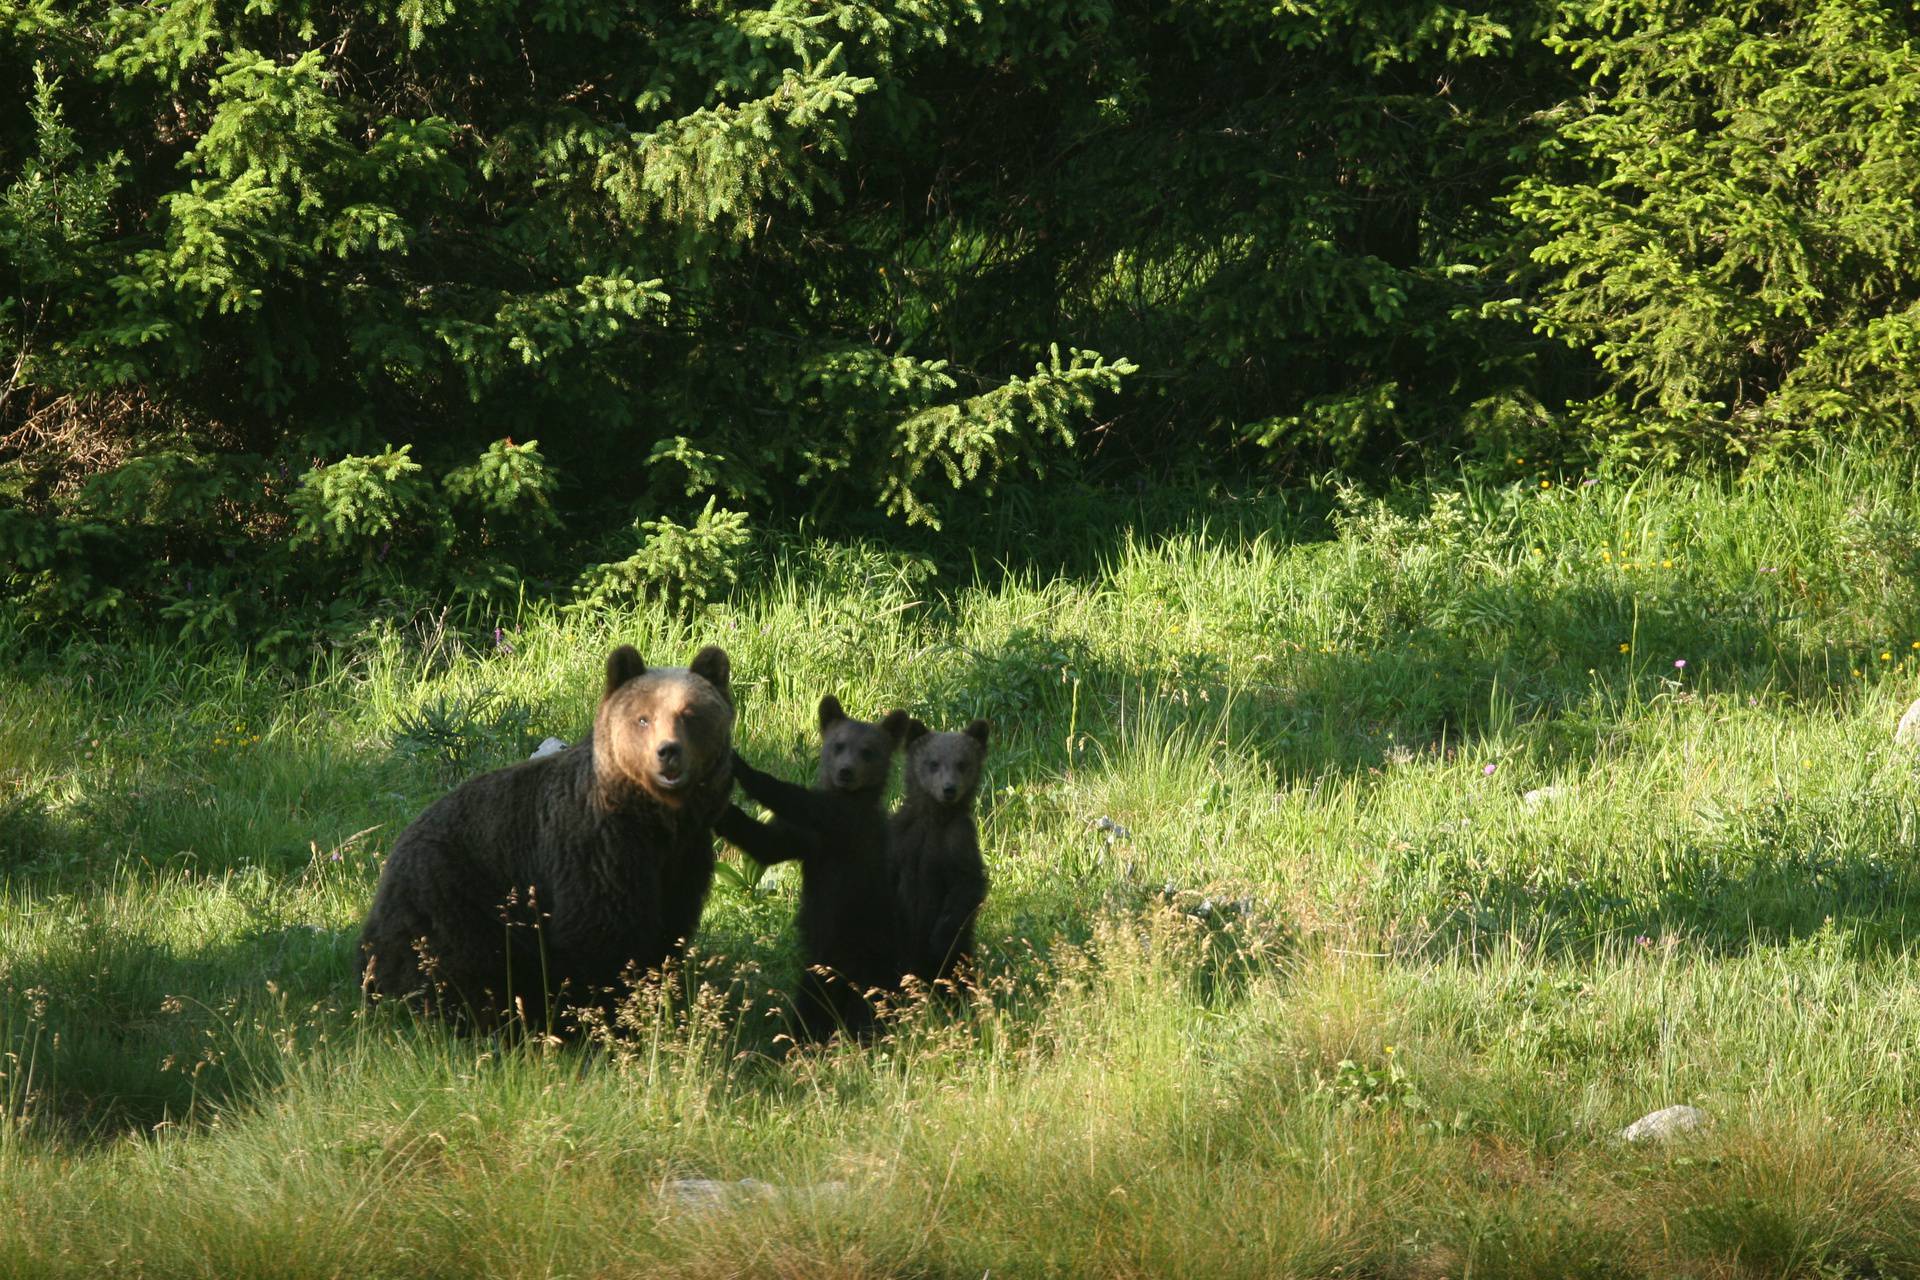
1666, 1123
1540, 795
1908, 734
551, 746
713, 1195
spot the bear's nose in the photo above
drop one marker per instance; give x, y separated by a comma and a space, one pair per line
669, 753
844, 776
949, 791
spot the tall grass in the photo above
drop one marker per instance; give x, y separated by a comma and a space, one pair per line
1442, 837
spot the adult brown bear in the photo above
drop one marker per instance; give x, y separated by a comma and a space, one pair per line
536, 886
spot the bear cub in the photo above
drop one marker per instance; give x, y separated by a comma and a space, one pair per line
838, 831
539, 884
935, 849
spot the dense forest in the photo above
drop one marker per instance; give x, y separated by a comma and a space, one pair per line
311, 305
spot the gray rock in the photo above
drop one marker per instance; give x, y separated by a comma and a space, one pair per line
1665, 1124
712, 1195
549, 747
1908, 732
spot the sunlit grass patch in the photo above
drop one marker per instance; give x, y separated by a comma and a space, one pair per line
1353, 887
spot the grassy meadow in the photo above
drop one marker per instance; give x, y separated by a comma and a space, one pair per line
1360, 869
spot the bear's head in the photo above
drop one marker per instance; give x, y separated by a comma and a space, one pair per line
667, 731
857, 755
945, 767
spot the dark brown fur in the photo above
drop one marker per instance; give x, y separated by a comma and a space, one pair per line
935, 849
838, 832
549, 878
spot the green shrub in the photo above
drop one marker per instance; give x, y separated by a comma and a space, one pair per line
1734, 240
284, 283
319, 258
685, 564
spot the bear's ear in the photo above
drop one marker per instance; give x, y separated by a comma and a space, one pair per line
830, 712
896, 725
916, 730
712, 665
623, 664
977, 731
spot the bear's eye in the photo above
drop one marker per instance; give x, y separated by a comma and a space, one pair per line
866, 753
644, 722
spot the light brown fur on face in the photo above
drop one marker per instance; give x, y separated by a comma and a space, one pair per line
668, 730
533, 889
939, 876
945, 767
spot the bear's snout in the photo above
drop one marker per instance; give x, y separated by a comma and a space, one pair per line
844, 775
672, 758
950, 793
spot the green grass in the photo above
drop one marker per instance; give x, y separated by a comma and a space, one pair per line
1334, 997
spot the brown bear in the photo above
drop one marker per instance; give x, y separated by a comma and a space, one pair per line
838, 831
935, 849
536, 886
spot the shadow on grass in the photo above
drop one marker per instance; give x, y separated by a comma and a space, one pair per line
124, 1031
1517, 664
1075, 529
271, 804
110, 1033
1717, 901
1539, 674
